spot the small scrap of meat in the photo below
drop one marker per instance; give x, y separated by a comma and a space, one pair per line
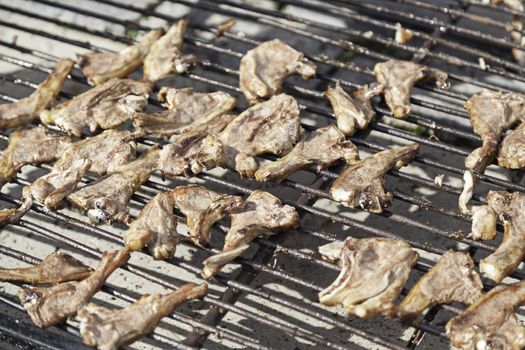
484, 222
272, 127
188, 112
512, 150
225, 27
262, 215
438, 180
491, 322
321, 148
491, 113
399, 77
264, 68
106, 199
451, 279
510, 208
373, 273
165, 56
109, 329
55, 268
403, 35
467, 193
362, 184
202, 208
99, 67
353, 111
105, 106
25, 110
53, 305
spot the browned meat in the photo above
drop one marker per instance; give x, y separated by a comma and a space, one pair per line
321, 148
112, 329
353, 111
362, 184
25, 110
268, 127
262, 215
264, 68
399, 77
53, 305
225, 27
373, 273
105, 106
453, 278
484, 222
55, 268
512, 151
491, 322
100, 67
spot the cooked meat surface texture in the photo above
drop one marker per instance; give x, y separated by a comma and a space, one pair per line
99, 67
268, 127
452, 279
352, 111
105, 106
53, 305
262, 215
373, 273
165, 56
399, 77
55, 268
361, 184
491, 322
512, 150
484, 221
25, 110
264, 68
320, 148
187, 112
109, 329
491, 113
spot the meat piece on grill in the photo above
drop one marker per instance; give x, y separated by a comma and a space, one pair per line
491, 113
399, 77
512, 151
451, 279
55, 268
268, 127
202, 208
517, 28
321, 148
53, 305
510, 208
373, 273
352, 111
188, 112
491, 322
99, 67
362, 184
105, 106
106, 199
484, 222
468, 191
25, 110
109, 329
165, 56
262, 215
264, 68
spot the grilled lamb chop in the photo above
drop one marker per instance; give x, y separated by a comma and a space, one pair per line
100, 67
165, 55
399, 77
353, 111
361, 184
491, 113
373, 273
512, 150
264, 68
105, 106
322, 148
53, 305
55, 268
112, 329
262, 215
491, 322
453, 278
202, 208
484, 222
188, 112
268, 127
25, 110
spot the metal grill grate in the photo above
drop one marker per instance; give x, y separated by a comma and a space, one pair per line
262, 304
